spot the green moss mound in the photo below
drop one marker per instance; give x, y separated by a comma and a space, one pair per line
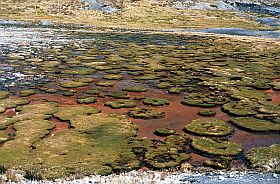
155, 101
241, 108
204, 100
13, 103
174, 90
86, 80
3, 137
4, 94
168, 154
97, 144
2, 109
87, 100
135, 89
27, 92
216, 147
255, 125
146, 113
119, 95
67, 112
163, 85
261, 85
164, 131
72, 84
206, 112
265, 158
218, 163
209, 127
93, 92
113, 77
251, 94
79, 71
105, 83
121, 104
276, 86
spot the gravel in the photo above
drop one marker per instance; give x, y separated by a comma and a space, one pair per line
161, 177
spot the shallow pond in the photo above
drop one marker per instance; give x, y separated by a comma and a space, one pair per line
163, 72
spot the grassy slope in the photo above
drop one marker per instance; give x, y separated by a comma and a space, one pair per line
141, 14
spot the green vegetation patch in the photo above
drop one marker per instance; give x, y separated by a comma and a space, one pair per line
251, 94
87, 100
135, 89
155, 101
163, 85
72, 84
209, 127
146, 113
93, 92
79, 71
105, 83
256, 125
4, 94
216, 147
265, 158
13, 103
218, 163
66, 113
117, 104
98, 144
164, 131
204, 100
86, 80
162, 155
276, 86
206, 112
119, 95
241, 108
175, 90
3, 137
27, 92
113, 77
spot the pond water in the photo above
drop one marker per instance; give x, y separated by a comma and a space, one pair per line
168, 66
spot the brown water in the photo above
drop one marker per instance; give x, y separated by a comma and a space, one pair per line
176, 117
59, 127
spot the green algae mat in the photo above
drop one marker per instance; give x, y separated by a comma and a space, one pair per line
133, 100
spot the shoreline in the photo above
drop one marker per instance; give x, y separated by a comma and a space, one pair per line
164, 177
127, 29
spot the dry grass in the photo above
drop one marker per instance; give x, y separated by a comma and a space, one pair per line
141, 14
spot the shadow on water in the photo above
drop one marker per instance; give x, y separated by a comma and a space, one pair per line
243, 32
256, 8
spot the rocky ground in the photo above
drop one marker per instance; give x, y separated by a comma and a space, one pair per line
141, 177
